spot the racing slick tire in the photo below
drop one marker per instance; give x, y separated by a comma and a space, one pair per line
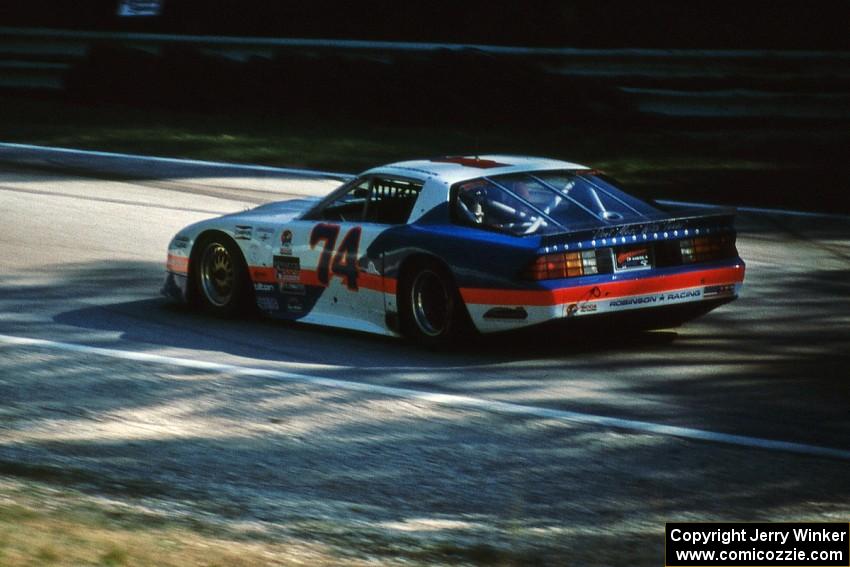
220, 277
431, 309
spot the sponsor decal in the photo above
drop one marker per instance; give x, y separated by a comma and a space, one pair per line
286, 242
638, 229
263, 287
268, 303
718, 290
287, 269
587, 308
293, 288
661, 298
649, 299
633, 258
264, 233
242, 232
295, 305
694, 293
180, 241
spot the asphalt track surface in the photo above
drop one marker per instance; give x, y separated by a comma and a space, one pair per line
539, 448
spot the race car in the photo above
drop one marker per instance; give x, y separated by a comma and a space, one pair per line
433, 248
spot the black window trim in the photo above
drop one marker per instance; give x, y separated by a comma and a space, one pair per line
314, 214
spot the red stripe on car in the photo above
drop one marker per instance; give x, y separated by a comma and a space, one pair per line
608, 290
177, 264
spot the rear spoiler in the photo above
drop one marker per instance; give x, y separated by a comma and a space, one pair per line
677, 224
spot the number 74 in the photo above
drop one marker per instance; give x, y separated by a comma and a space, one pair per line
343, 262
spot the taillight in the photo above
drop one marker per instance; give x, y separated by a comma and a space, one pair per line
562, 265
707, 248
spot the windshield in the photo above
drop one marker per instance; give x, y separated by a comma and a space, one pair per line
546, 201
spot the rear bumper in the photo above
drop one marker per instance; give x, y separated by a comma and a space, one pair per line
679, 291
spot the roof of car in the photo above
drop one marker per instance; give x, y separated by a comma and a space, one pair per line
452, 169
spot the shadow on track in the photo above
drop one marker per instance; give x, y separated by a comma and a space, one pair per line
772, 364
159, 322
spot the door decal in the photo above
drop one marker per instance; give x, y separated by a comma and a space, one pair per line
342, 262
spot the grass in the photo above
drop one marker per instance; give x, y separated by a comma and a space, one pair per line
763, 164
41, 526
51, 524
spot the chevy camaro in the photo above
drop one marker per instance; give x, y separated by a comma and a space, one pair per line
431, 248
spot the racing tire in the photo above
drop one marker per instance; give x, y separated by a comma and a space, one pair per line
220, 277
431, 310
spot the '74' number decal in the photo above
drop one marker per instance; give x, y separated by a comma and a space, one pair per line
343, 262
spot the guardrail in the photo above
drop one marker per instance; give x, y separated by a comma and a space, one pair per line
802, 84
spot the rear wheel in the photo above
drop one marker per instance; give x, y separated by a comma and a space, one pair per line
221, 277
431, 309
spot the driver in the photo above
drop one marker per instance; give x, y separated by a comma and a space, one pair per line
485, 204
531, 192
470, 200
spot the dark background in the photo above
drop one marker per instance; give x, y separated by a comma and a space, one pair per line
580, 23
765, 127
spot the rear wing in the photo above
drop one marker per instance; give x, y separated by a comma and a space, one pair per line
676, 224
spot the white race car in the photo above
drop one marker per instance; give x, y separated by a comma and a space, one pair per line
430, 248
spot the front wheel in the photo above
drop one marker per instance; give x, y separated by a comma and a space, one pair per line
432, 311
220, 277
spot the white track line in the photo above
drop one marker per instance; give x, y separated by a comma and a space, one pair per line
347, 176
454, 400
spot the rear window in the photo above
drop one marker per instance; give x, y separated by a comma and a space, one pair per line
547, 201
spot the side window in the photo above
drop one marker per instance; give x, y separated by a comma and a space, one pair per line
391, 200
348, 207
371, 199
